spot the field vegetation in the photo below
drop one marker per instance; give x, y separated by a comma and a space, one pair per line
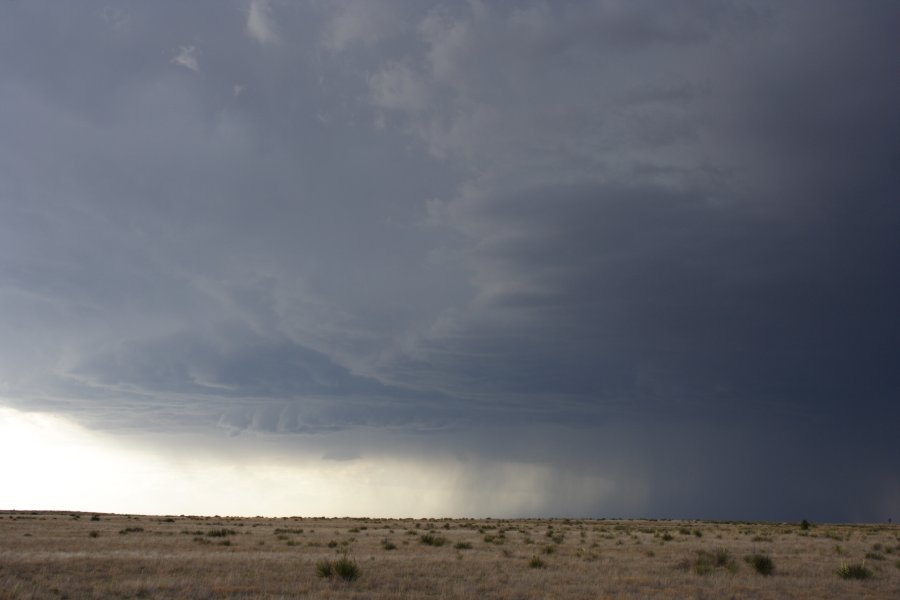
65, 555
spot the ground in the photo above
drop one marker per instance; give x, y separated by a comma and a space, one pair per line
82, 555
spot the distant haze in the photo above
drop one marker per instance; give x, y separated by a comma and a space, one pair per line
444, 258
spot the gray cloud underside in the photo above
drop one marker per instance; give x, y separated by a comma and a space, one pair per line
443, 217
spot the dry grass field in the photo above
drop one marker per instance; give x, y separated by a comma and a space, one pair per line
80, 555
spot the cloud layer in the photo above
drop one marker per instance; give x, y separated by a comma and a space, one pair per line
646, 238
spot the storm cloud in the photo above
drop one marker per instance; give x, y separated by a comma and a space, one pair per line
648, 251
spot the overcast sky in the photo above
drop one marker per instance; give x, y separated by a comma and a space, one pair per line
592, 258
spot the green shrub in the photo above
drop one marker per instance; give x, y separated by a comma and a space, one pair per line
346, 568
388, 545
804, 524
220, 532
463, 546
429, 539
707, 562
131, 530
854, 571
762, 563
536, 563
325, 569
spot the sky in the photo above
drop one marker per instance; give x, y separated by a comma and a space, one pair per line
442, 258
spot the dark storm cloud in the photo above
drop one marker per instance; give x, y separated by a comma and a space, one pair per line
644, 237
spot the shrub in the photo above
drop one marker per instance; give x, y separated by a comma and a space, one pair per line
94, 534
874, 556
346, 568
667, 537
804, 524
95, 518
707, 562
762, 563
220, 532
325, 569
536, 563
131, 530
388, 545
429, 539
463, 546
854, 571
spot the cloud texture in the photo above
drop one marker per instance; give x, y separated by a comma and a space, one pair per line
649, 247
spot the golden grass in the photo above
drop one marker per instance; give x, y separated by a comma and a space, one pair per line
56, 555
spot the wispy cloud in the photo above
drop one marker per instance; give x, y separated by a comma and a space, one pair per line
259, 22
187, 58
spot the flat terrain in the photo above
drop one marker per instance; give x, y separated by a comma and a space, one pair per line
81, 555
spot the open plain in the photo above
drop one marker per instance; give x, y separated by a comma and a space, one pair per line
84, 555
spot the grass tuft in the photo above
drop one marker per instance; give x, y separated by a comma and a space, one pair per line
325, 569
220, 532
761, 563
346, 568
707, 562
854, 571
429, 539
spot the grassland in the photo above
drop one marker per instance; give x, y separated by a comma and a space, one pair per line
80, 555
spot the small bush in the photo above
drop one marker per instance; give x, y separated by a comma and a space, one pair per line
325, 569
332, 544
388, 545
346, 568
463, 546
220, 532
707, 562
94, 534
429, 539
536, 563
854, 571
131, 530
874, 556
762, 563
95, 518
804, 524
667, 537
